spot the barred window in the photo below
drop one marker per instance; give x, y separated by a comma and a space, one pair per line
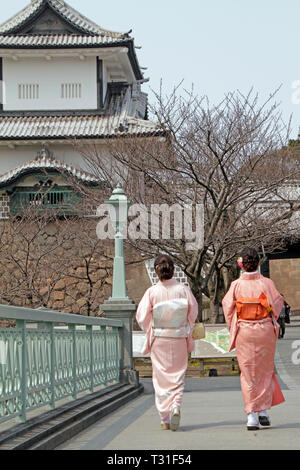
50, 198
64, 200
28, 91
71, 91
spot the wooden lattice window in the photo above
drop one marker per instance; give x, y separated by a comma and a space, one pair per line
71, 91
28, 91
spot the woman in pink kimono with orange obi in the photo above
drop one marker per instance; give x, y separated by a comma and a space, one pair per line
167, 313
251, 308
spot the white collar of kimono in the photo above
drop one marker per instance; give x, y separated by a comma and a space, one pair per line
254, 272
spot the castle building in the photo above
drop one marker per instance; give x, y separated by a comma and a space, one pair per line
63, 77
65, 83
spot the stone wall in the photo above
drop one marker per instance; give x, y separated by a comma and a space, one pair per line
137, 278
286, 275
4, 206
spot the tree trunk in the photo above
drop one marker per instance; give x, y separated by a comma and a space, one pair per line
197, 291
214, 312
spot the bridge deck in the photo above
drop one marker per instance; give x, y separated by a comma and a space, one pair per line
212, 416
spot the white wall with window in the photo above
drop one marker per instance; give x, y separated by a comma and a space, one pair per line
61, 83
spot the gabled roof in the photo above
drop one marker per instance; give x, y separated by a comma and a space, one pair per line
45, 162
73, 31
63, 9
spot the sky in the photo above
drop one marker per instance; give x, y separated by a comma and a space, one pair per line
217, 46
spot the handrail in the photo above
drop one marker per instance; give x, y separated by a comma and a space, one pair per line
41, 365
51, 316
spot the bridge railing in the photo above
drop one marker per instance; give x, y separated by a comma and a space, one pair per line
46, 356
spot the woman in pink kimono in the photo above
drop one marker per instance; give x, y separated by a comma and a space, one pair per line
251, 308
167, 314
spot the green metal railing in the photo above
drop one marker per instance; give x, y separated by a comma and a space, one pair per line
47, 356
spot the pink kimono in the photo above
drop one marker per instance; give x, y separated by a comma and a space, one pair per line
167, 314
255, 342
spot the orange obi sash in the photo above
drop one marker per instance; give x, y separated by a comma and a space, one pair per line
253, 308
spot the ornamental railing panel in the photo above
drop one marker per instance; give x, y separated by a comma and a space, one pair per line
46, 356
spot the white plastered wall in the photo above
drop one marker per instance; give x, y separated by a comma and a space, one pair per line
11, 158
50, 75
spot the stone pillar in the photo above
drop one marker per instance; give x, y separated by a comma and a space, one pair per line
124, 310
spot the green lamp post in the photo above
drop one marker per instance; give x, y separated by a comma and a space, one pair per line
118, 206
119, 305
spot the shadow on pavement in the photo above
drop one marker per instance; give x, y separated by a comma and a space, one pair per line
195, 427
203, 384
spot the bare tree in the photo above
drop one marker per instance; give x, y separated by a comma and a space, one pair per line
53, 260
89, 265
29, 251
231, 159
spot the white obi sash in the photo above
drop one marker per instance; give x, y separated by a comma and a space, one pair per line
170, 318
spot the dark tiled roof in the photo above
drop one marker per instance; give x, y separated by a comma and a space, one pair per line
64, 127
59, 41
119, 119
64, 10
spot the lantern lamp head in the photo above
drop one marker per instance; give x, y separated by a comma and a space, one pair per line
118, 208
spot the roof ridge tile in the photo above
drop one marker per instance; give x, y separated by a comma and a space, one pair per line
44, 161
62, 8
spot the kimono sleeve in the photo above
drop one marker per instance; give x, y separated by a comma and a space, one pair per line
228, 304
276, 299
144, 311
193, 308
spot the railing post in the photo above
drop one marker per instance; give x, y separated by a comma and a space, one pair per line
73, 329
21, 324
50, 328
117, 352
122, 376
103, 329
90, 330
124, 311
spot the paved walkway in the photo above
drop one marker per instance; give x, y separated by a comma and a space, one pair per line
212, 415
